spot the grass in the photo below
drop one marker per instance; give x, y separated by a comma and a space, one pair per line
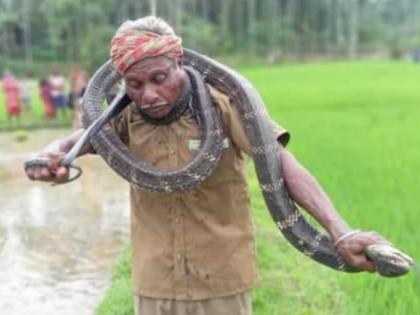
118, 300
354, 126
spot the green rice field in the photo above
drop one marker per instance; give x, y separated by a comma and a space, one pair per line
354, 126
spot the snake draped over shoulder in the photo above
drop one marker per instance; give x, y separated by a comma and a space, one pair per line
264, 146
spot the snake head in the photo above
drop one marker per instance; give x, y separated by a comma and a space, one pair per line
389, 261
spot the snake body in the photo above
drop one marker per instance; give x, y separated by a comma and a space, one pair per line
137, 172
265, 153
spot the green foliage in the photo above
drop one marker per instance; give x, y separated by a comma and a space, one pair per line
66, 30
201, 36
27, 68
353, 126
118, 300
20, 136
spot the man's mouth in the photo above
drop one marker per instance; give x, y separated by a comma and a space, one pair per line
154, 107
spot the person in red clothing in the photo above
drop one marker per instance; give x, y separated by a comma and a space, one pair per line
45, 91
11, 91
78, 79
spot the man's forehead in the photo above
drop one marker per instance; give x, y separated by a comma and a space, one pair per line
152, 63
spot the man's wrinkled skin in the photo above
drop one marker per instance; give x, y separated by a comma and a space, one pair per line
305, 190
155, 84
353, 250
55, 152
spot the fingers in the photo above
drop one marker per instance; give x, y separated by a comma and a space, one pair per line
30, 173
61, 175
364, 239
361, 262
355, 256
55, 160
40, 173
353, 249
369, 238
45, 174
54, 172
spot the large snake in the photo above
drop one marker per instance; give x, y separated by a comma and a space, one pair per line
265, 153
388, 261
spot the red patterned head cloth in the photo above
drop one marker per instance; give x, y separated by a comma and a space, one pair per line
141, 39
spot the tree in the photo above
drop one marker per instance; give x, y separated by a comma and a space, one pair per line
67, 30
152, 5
353, 8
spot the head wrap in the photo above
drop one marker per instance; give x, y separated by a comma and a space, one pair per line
131, 45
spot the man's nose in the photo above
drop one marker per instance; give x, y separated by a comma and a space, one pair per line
150, 96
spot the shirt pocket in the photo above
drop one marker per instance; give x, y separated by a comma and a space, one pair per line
228, 169
148, 144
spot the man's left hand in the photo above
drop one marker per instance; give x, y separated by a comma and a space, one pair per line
353, 249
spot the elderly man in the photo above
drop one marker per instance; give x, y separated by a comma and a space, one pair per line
193, 252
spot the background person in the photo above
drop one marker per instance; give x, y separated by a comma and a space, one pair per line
25, 93
47, 100
12, 98
78, 79
57, 85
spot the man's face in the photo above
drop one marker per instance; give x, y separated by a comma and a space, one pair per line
155, 84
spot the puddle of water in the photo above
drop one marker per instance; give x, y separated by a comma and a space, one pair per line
57, 243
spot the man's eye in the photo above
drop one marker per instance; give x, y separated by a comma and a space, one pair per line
160, 78
134, 84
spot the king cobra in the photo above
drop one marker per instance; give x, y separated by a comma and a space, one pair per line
266, 152
388, 261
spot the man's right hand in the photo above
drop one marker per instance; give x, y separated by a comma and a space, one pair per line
54, 172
